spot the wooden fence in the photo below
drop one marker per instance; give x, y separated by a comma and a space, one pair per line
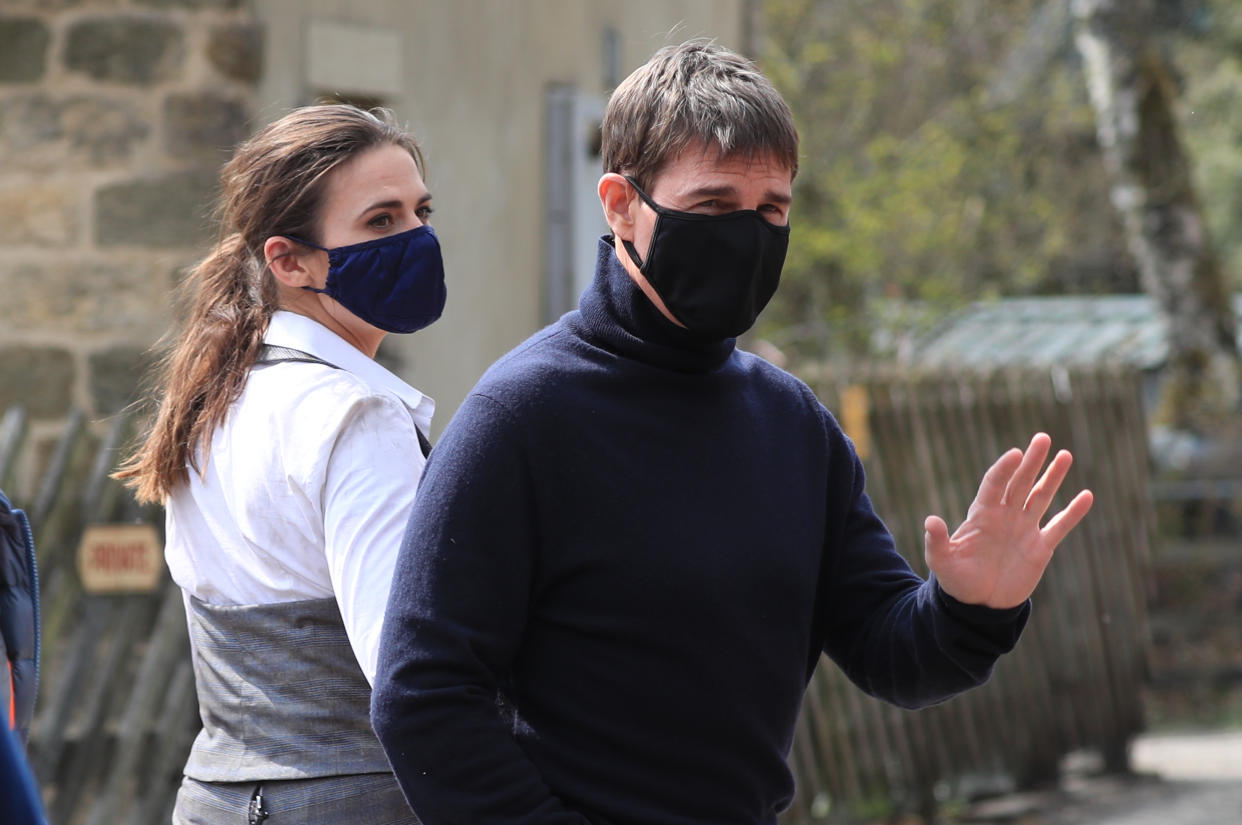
1074, 680
117, 710
1196, 596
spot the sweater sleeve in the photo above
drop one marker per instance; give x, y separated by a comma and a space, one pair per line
896, 636
455, 621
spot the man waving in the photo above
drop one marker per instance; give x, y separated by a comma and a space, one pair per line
641, 538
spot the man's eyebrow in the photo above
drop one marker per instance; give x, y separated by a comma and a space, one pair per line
721, 191
729, 191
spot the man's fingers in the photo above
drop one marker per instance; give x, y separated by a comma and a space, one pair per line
1046, 488
935, 539
1060, 524
1023, 478
996, 479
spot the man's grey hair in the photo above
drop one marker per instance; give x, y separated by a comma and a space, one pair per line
695, 93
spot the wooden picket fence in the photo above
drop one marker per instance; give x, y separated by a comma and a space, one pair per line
1074, 682
117, 711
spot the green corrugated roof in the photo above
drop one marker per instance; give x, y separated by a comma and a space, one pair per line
1055, 330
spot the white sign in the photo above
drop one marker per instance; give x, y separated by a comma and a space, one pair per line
120, 558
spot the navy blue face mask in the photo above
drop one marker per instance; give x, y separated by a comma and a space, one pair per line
394, 283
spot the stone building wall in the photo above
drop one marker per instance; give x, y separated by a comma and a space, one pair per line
114, 118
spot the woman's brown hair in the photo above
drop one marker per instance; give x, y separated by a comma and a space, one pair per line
273, 185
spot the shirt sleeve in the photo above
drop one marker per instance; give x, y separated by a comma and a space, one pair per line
369, 484
455, 622
897, 636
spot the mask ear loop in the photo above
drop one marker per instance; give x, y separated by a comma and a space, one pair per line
629, 247
646, 198
296, 239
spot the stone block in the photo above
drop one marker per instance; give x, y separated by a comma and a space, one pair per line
59, 5
72, 296
23, 49
236, 50
39, 132
332, 50
190, 4
37, 215
133, 50
169, 211
117, 375
41, 378
203, 125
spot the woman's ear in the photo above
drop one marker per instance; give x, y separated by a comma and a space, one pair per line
617, 197
287, 262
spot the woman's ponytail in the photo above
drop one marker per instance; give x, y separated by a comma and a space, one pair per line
273, 185
205, 371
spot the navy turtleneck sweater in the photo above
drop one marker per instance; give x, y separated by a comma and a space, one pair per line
643, 542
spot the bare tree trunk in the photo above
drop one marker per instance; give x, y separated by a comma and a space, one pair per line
1132, 89
1028, 60
752, 28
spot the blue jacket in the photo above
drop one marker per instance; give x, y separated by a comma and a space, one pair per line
19, 619
19, 797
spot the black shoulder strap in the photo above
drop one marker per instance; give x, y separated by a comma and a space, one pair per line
269, 354
423, 443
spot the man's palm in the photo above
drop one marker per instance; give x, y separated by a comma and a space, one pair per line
998, 554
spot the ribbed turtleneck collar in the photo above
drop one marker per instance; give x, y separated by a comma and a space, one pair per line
615, 314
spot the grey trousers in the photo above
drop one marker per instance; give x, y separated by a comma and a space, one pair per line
365, 799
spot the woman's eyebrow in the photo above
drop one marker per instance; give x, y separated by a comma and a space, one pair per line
393, 204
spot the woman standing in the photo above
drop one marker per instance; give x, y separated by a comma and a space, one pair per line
287, 460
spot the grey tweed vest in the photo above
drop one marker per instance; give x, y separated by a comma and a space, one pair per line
280, 693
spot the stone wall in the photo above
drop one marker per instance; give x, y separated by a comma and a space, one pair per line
114, 118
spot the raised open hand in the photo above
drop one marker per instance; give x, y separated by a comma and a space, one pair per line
998, 554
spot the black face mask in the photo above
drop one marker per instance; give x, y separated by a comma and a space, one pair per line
715, 273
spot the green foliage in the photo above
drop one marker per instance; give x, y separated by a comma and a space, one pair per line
1211, 119
917, 186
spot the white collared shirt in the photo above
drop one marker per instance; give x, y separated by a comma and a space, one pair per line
308, 486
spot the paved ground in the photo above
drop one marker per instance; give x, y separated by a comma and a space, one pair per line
1192, 779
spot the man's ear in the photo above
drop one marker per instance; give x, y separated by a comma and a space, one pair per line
617, 197
284, 259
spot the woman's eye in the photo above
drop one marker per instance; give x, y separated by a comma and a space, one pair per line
381, 221
424, 212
